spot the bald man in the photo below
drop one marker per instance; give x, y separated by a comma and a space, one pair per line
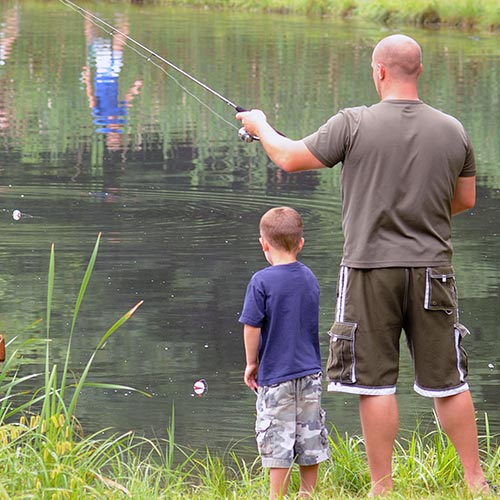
406, 169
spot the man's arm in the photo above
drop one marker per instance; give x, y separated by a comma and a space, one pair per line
251, 336
289, 155
465, 195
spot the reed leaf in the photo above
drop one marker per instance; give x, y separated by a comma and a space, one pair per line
79, 300
50, 291
119, 323
82, 380
103, 385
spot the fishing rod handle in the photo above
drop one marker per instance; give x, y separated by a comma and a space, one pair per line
243, 134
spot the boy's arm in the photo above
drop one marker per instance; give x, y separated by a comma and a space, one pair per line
251, 336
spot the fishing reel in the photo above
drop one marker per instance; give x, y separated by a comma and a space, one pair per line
245, 136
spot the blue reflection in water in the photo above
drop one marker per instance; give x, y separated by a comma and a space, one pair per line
108, 110
105, 55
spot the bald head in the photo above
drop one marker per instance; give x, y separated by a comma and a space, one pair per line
400, 55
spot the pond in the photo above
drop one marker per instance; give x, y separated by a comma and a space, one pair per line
177, 197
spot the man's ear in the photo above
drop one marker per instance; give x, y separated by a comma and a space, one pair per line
380, 71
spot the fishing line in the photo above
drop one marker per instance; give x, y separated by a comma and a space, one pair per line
152, 57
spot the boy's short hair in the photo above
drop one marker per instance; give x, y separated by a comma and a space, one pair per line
282, 228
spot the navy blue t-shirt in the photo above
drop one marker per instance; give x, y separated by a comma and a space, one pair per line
283, 301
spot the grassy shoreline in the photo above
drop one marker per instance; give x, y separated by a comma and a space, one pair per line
481, 15
49, 459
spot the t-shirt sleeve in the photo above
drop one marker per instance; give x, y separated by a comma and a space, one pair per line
469, 169
326, 144
330, 143
253, 311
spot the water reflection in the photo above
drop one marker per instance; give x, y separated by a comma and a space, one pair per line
105, 56
8, 35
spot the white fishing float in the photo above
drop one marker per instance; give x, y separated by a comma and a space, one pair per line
18, 215
200, 387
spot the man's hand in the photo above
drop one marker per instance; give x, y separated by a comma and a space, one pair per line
289, 155
252, 121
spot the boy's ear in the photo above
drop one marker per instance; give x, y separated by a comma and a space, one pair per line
264, 244
300, 245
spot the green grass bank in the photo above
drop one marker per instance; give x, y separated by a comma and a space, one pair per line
481, 15
48, 460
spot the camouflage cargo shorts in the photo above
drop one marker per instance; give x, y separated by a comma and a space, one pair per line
290, 426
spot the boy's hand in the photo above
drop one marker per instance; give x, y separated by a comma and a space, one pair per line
251, 376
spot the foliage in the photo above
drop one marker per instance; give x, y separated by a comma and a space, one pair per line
484, 14
41, 460
46, 440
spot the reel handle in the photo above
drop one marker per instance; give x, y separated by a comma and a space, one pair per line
245, 136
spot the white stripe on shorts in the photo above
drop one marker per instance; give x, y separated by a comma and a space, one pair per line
457, 348
342, 288
440, 393
362, 391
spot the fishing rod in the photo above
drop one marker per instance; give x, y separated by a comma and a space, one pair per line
97, 21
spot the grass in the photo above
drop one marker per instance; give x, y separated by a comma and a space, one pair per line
45, 454
42, 460
480, 14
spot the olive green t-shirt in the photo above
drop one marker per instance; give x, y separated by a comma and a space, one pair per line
400, 163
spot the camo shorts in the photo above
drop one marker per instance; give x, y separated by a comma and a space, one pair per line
290, 426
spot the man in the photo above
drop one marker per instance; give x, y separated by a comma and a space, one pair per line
406, 169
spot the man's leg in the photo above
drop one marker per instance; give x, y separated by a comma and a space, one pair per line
380, 422
457, 417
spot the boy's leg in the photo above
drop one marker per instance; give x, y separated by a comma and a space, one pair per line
308, 477
457, 417
275, 433
279, 479
380, 422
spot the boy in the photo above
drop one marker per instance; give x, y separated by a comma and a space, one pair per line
283, 362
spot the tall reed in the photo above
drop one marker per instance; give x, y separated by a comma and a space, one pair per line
44, 437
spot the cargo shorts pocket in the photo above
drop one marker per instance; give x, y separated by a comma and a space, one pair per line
341, 365
263, 436
440, 289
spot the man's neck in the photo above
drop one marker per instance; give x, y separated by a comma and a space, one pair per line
394, 97
400, 92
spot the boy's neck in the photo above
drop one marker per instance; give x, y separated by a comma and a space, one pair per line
277, 258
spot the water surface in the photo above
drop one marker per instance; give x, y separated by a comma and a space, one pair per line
95, 139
